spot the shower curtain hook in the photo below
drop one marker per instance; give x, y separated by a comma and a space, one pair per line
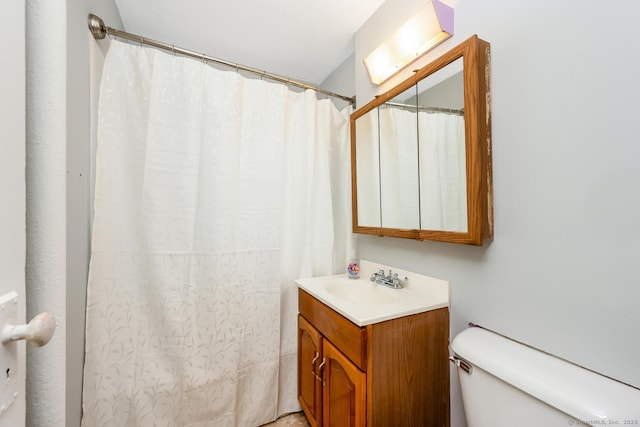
173, 49
203, 60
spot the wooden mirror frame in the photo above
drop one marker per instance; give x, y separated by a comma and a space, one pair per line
477, 118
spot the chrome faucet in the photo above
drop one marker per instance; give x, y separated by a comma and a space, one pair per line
392, 280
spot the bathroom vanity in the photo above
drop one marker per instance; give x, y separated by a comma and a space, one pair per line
373, 356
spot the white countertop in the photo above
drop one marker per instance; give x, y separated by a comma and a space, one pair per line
365, 302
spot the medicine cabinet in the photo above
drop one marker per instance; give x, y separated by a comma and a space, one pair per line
421, 153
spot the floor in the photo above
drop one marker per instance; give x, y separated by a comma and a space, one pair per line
295, 420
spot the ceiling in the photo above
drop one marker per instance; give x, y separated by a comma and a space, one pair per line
299, 39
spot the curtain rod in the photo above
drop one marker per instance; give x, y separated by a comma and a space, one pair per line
430, 109
99, 31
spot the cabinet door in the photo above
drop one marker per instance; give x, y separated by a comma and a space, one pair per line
309, 359
344, 398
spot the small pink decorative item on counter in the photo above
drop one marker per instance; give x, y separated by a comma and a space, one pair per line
353, 268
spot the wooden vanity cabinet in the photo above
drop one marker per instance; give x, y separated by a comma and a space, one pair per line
392, 373
331, 389
309, 385
344, 397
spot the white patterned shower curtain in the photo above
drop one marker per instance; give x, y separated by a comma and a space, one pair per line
399, 168
443, 189
213, 193
413, 153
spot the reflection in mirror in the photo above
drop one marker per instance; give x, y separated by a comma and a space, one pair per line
421, 153
400, 207
368, 172
441, 139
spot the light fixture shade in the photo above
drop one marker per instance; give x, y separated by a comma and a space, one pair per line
429, 27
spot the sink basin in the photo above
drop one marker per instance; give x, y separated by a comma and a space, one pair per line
365, 302
362, 291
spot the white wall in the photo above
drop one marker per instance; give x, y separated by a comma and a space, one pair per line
342, 79
45, 266
81, 48
13, 193
563, 272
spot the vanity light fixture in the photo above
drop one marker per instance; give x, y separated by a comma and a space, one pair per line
429, 27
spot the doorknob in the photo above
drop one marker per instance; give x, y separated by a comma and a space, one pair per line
12, 360
39, 331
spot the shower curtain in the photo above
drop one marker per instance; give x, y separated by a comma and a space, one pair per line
213, 193
399, 168
416, 153
443, 170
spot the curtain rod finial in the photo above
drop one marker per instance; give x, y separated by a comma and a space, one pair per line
97, 27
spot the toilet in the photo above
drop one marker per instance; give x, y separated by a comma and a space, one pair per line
505, 383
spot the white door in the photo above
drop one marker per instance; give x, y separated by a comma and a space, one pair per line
12, 205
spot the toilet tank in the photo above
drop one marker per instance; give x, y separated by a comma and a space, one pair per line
510, 384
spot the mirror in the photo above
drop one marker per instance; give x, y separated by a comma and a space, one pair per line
368, 171
441, 141
421, 157
399, 185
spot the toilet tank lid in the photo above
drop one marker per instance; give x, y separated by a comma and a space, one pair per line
576, 391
